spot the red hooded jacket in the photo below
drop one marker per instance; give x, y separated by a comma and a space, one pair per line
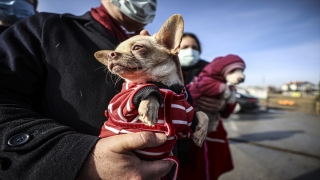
211, 81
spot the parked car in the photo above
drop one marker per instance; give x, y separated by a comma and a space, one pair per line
246, 102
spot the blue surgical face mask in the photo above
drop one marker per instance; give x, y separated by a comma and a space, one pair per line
12, 11
188, 57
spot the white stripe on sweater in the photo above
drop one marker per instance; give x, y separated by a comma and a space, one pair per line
135, 119
178, 106
175, 121
128, 106
110, 107
179, 122
189, 109
125, 131
116, 131
121, 115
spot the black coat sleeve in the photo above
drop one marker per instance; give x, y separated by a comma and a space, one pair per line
32, 146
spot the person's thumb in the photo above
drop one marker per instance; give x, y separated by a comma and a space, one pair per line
137, 140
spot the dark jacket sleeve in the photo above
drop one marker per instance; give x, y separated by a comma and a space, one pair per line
144, 92
32, 146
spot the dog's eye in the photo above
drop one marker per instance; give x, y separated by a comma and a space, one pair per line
136, 47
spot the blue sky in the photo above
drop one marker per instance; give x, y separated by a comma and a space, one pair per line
278, 39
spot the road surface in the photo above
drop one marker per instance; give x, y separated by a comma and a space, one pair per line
274, 145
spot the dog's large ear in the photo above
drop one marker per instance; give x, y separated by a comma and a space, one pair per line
102, 56
170, 33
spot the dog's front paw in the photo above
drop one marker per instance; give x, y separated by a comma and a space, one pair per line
232, 99
227, 93
148, 110
201, 129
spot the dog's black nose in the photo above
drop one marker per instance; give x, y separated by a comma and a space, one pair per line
112, 55
241, 80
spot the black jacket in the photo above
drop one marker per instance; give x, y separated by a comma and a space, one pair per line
191, 71
53, 94
3, 28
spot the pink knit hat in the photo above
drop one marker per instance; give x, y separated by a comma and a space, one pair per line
232, 66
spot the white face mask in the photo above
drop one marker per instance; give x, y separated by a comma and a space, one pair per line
142, 11
189, 56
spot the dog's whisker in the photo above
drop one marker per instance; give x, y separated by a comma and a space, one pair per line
113, 78
117, 80
100, 68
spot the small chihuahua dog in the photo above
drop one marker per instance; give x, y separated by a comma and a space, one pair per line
153, 97
218, 79
152, 61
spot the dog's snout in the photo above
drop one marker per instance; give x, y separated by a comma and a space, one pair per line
112, 55
241, 80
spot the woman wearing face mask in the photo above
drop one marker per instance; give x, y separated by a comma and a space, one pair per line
189, 57
204, 162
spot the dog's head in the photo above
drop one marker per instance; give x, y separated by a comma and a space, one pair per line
235, 76
148, 58
233, 67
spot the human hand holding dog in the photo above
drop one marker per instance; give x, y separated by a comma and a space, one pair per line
201, 129
112, 158
210, 104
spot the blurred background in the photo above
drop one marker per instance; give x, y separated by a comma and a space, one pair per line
279, 40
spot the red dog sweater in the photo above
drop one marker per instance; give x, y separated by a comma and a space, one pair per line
175, 117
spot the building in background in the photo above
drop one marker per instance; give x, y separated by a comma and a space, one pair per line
298, 88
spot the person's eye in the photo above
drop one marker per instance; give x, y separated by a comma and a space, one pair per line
195, 48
